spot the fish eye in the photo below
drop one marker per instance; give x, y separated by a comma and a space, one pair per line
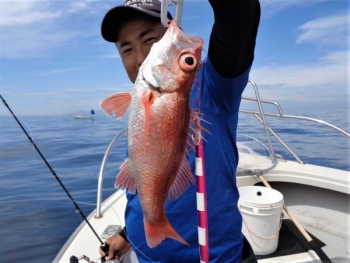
188, 62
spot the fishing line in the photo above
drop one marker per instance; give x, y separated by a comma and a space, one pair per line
63, 196
31, 134
35, 164
34, 159
36, 168
52, 171
132, 244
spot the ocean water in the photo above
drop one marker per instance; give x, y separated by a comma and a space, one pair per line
36, 216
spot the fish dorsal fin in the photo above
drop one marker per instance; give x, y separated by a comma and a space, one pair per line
124, 179
182, 181
117, 103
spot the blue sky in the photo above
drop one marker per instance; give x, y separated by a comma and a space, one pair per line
54, 61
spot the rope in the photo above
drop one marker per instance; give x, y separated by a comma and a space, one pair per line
261, 237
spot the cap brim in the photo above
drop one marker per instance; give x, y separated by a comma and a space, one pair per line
115, 18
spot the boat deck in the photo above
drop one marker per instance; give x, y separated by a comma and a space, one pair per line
317, 196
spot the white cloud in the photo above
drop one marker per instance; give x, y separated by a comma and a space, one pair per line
56, 102
3, 87
331, 30
57, 71
330, 70
113, 55
271, 7
14, 13
31, 29
325, 81
29, 42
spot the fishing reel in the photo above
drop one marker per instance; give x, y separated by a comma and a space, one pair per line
104, 247
74, 259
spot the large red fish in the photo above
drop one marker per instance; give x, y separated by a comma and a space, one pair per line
158, 129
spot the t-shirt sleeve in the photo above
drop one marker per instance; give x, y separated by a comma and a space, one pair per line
232, 40
218, 94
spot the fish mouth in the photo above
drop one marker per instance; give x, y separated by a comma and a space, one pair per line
152, 80
149, 78
150, 85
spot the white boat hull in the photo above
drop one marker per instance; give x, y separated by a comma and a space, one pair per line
82, 116
76, 117
317, 196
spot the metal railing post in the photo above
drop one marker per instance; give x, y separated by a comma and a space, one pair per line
102, 169
273, 156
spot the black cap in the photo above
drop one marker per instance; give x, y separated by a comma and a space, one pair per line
119, 14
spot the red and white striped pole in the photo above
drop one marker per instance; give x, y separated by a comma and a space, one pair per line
202, 205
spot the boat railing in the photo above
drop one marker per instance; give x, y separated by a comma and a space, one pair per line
260, 115
280, 114
101, 174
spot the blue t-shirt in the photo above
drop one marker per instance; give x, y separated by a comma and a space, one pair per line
219, 102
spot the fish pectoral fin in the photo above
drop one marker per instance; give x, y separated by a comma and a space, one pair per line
182, 181
124, 179
117, 103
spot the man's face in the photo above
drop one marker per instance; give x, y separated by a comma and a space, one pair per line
134, 43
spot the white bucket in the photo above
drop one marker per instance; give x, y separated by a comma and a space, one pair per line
261, 210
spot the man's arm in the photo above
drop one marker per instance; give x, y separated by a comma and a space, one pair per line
232, 41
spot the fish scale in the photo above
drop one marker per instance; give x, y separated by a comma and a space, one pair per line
158, 128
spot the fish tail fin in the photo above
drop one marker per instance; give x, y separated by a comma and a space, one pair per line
156, 233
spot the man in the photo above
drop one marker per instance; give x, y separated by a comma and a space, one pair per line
134, 28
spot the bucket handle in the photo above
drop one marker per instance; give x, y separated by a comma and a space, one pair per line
265, 238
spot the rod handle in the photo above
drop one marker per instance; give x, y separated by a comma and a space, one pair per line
105, 248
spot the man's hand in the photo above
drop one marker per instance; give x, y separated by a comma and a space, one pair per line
118, 246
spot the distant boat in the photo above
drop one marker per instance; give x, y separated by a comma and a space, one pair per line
83, 116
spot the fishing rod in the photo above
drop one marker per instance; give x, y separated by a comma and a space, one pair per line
104, 246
